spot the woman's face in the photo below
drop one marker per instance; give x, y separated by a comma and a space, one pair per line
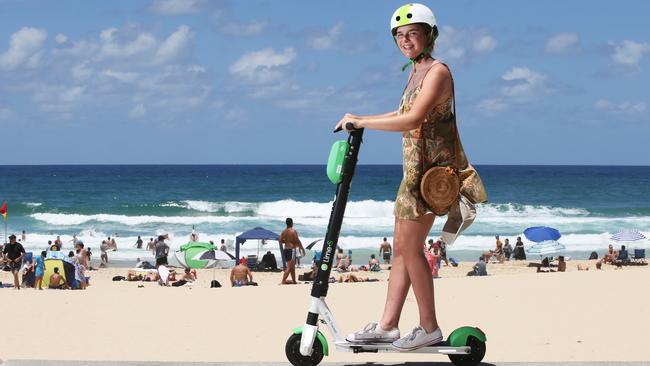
411, 40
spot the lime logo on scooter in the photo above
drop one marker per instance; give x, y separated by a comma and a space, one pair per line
328, 254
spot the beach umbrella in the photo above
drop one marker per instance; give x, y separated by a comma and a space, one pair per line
627, 236
311, 245
216, 255
539, 234
545, 248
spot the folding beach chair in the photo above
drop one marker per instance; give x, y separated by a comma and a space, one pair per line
639, 256
251, 262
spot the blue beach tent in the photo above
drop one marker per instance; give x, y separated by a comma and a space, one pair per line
257, 233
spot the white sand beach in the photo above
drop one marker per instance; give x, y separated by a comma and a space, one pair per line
527, 316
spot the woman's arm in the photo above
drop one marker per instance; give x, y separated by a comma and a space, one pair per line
435, 84
387, 114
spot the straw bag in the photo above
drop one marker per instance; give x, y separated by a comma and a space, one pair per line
440, 185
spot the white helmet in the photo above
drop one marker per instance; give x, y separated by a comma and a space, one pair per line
412, 14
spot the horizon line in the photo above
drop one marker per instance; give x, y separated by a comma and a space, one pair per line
312, 164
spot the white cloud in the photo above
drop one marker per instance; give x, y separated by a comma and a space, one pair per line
244, 29
629, 53
562, 43
81, 72
118, 67
138, 111
459, 44
621, 108
72, 94
492, 105
60, 38
264, 66
142, 44
485, 43
328, 40
24, 49
125, 77
174, 45
525, 84
177, 7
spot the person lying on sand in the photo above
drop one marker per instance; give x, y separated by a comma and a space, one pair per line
354, 278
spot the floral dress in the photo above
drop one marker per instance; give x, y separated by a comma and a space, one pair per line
436, 135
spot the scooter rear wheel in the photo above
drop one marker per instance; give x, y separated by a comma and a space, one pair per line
474, 358
292, 350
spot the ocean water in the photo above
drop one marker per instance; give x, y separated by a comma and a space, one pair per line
586, 203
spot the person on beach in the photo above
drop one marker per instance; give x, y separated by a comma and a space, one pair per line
23, 236
433, 258
519, 253
241, 275
13, 253
223, 247
151, 245
385, 251
373, 264
480, 268
429, 139
561, 264
39, 270
82, 254
507, 249
497, 252
79, 279
57, 282
112, 243
162, 251
289, 238
58, 243
138, 243
103, 254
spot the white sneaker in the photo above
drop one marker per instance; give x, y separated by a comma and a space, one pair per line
373, 332
418, 338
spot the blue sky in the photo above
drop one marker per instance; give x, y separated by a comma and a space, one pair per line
263, 82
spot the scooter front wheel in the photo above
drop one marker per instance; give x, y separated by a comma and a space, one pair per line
476, 355
292, 349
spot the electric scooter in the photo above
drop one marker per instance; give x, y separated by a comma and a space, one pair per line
465, 346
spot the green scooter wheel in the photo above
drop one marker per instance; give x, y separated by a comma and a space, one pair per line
292, 349
476, 355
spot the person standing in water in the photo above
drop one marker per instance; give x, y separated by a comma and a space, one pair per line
425, 119
289, 238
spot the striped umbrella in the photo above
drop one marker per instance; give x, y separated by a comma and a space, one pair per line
545, 248
627, 236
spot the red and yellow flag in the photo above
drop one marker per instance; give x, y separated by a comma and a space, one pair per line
3, 210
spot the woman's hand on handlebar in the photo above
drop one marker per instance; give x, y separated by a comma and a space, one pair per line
343, 122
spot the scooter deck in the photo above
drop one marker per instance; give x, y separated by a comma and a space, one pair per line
441, 347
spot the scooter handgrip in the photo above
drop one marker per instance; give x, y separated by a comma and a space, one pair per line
348, 125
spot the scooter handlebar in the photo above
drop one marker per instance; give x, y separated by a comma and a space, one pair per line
348, 126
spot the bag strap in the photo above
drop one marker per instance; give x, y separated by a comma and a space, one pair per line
454, 127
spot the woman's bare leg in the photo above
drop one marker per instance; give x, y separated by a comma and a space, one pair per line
410, 236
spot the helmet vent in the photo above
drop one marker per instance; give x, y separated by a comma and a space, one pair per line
409, 15
398, 18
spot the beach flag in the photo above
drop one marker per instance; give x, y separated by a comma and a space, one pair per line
3, 210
